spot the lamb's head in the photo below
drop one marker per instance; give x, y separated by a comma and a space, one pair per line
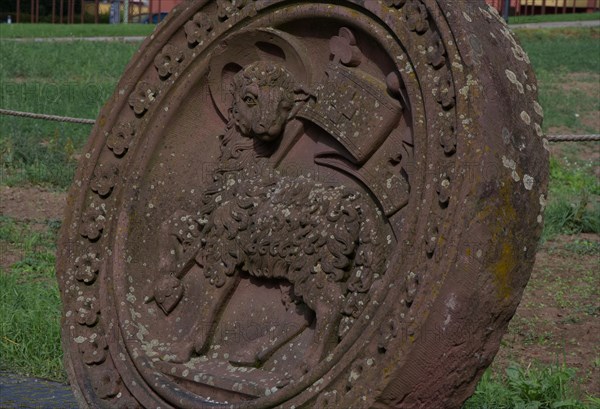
265, 98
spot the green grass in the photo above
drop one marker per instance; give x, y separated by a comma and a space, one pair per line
534, 387
29, 301
548, 18
572, 110
562, 50
73, 30
574, 199
584, 248
71, 79
567, 66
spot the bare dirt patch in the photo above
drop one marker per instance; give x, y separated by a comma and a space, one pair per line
558, 319
585, 152
31, 203
586, 82
32, 209
559, 130
583, 87
9, 255
592, 120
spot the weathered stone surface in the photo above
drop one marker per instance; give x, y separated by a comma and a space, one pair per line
309, 205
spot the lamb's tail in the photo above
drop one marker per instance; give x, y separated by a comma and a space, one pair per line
370, 259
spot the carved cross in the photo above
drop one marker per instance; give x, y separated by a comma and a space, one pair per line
344, 49
343, 105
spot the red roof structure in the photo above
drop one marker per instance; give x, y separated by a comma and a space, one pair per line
516, 5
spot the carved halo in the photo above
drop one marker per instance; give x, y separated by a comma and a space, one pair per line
248, 46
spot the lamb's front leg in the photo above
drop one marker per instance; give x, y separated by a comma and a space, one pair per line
209, 312
259, 350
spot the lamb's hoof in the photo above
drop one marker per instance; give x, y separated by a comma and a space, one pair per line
311, 360
285, 381
244, 358
263, 355
296, 374
305, 367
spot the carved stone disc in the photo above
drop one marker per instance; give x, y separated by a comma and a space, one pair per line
304, 205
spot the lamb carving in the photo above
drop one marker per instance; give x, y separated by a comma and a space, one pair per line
326, 243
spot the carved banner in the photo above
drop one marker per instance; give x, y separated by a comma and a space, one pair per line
304, 205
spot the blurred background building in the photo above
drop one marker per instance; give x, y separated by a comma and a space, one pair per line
153, 11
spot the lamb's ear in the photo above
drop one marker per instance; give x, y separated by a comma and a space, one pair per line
301, 94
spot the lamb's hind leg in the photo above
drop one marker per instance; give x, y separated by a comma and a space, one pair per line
326, 303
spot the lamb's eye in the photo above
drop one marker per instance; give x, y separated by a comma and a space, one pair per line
249, 100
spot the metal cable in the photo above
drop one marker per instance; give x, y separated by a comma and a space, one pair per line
47, 117
573, 138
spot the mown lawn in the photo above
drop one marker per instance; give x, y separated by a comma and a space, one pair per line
73, 30
567, 66
548, 18
72, 79
29, 299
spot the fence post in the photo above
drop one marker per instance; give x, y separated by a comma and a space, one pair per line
533, 7
506, 9
564, 6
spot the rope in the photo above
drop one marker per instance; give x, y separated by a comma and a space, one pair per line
47, 117
551, 138
573, 138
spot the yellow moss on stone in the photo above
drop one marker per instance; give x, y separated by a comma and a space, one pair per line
503, 268
497, 216
506, 263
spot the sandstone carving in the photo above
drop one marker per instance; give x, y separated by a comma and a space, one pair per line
304, 205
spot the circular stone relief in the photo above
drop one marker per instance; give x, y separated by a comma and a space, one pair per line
304, 204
